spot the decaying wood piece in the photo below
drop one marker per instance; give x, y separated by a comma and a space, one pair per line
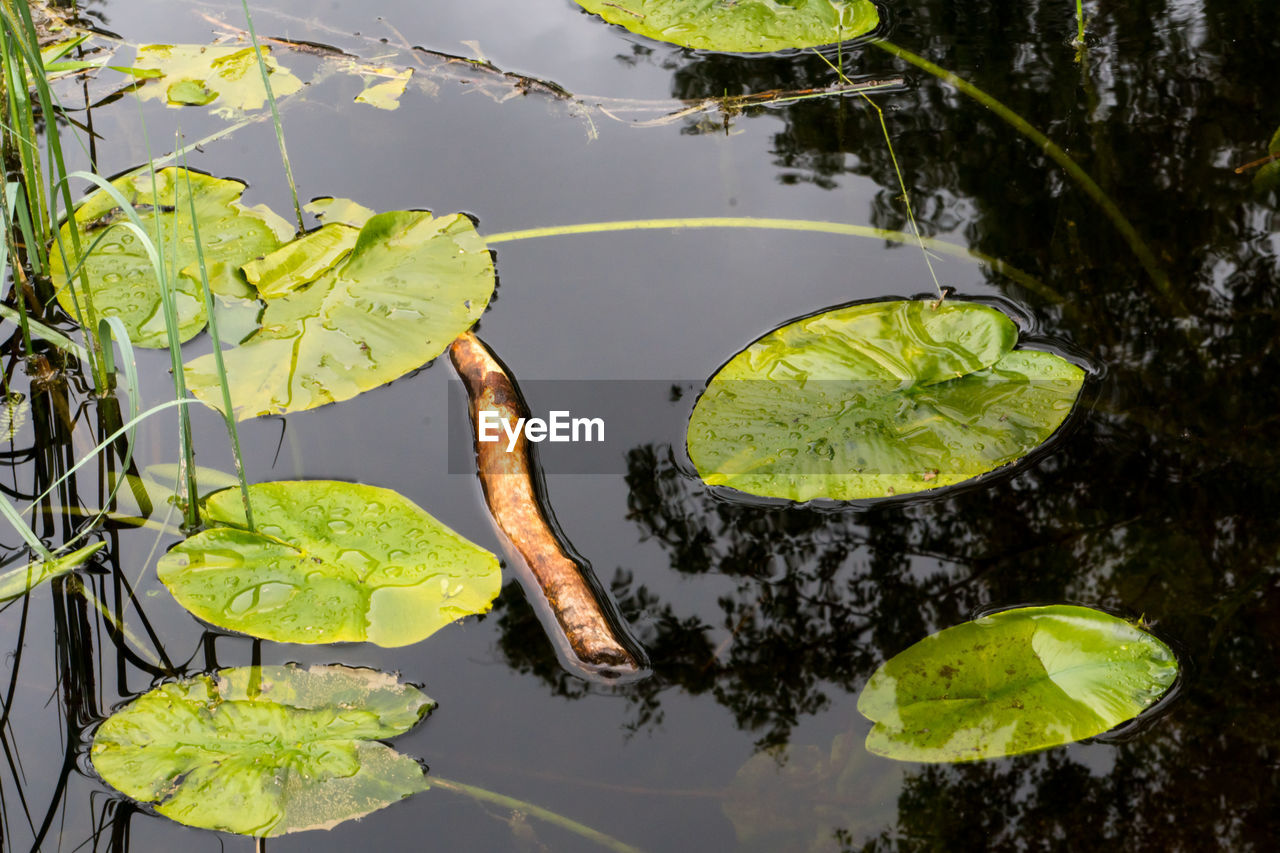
575, 611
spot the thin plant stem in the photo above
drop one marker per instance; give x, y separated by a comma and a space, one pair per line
9, 249
606, 841
275, 113
1130, 235
228, 411
897, 170
1079, 22
21, 125
169, 305
137, 644
43, 332
106, 442
28, 44
11, 514
815, 226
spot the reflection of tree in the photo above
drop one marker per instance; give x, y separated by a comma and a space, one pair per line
1159, 502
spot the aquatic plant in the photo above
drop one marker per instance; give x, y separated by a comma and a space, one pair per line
878, 399
328, 562
1012, 682
745, 26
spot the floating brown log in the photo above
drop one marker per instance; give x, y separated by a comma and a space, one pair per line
574, 610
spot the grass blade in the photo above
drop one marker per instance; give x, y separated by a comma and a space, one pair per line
228, 412
20, 581
275, 113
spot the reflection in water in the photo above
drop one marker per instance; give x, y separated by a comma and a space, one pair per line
1159, 504
1152, 507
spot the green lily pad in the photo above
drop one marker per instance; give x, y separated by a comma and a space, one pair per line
20, 581
878, 399
121, 277
329, 562
301, 261
1014, 682
741, 26
228, 74
411, 284
265, 751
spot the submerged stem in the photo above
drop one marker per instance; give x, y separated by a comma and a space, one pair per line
551, 817
897, 170
1139, 247
133, 639
815, 226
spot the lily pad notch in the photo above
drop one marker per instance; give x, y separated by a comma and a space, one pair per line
878, 399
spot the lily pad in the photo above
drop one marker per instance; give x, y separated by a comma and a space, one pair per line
226, 76
411, 284
741, 26
121, 278
878, 399
328, 562
1014, 682
265, 751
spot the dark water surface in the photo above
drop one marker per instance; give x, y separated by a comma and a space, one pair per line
762, 623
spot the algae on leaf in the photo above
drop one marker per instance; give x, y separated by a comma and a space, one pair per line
122, 280
741, 26
328, 562
878, 399
410, 285
225, 76
1014, 682
264, 751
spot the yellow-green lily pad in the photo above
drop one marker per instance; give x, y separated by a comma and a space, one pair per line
121, 278
878, 399
1013, 682
229, 75
328, 562
741, 26
411, 284
265, 751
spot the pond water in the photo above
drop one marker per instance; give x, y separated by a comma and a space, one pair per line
762, 622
